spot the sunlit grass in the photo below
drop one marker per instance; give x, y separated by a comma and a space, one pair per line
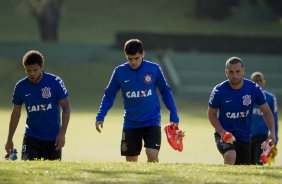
121, 172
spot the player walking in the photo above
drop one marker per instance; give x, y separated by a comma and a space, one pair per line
43, 94
138, 80
259, 128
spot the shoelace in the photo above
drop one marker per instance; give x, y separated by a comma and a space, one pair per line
178, 136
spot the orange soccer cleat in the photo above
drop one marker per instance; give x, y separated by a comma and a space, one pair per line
267, 152
174, 136
179, 137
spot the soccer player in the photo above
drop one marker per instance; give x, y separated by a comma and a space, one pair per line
230, 110
43, 94
259, 128
138, 80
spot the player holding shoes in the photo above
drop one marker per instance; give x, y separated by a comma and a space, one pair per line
259, 128
230, 111
138, 80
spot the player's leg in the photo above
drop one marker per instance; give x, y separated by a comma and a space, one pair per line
256, 149
31, 148
227, 150
229, 157
243, 152
152, 142
152, 155
131, 144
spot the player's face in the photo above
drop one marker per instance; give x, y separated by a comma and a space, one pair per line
33, 72
135, 60
235, 74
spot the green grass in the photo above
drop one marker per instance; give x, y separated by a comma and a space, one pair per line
84, 143
97, 172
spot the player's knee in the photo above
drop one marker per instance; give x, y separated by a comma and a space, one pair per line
132, 158
152, 155
230, 157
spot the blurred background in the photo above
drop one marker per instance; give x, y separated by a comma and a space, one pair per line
82, 41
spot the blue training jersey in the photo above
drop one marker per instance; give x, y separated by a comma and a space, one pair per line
140, 97
235, 107
258, 124
42, 105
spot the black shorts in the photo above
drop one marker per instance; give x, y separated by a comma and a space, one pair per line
131, 142
242, 148
39, 149
256, 149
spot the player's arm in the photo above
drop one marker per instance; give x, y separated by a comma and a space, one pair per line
269, 120
66, 111
274, 109
225, 135
212, 115
14, 121
107, 101
167, 97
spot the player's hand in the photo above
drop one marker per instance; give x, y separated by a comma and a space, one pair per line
60, 141
271, 138
228, 137
99, 125
9, 147
174, 124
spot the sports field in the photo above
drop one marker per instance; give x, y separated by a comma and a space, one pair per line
83, 143
83, 60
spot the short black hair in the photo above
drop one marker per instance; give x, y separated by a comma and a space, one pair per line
33, 57
133, 46
234, 60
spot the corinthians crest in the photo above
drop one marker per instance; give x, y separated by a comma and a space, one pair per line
148, 79
46, 92
247, 100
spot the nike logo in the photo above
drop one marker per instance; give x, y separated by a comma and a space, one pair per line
127, 80
227, 101
167, 133
157, 145
28, 94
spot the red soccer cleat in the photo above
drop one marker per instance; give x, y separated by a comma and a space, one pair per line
170, 135
174, 136
179, 137
266, 152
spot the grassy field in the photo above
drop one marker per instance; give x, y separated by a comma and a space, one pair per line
90, 157
83, 143
143, 173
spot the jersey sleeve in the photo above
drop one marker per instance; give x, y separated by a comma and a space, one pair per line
214, 101
167, 96
17, 99
274, 108
260, 96
109, 97
62, 91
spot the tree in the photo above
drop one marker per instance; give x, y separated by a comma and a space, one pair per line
47, 13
